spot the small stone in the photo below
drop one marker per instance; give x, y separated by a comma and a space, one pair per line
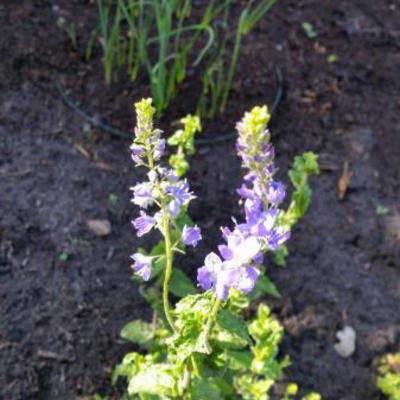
100, 227
347, 342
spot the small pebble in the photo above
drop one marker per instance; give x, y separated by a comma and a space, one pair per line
347, 342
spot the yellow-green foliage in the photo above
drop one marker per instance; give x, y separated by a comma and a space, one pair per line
389, 376
256, 120
184, 140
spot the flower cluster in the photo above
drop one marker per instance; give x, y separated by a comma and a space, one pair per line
163, 189
238, 265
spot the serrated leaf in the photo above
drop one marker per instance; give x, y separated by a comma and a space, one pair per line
176, 138
128, 367
280, 256
310, 163
240, 358
296, 177
207, 388
155, 379
234, 325
137, 331
183, 219
265, 285
302, 198
180, 284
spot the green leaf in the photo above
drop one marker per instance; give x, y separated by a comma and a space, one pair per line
307, 163
381, 210
63, 256
183, 219
205, 388
235, 326
190, 315
238, 301
301, 198
128, 368
316, 396
239, 358
332, 58
180, 284
176, 138
296, 177
266, 286
137, 331
280, 256
179, 163
155, 379
309, 30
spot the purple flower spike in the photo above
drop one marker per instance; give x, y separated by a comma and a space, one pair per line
191, 235
143, 224
142, 265
275, 192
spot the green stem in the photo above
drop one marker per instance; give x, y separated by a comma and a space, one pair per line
168, 267
232, 66
210, 322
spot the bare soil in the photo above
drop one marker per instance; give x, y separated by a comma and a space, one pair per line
65, 293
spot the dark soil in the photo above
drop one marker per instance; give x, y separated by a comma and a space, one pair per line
65, 293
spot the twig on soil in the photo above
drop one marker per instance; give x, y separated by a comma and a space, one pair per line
4, 345
4, 172
50, 355
125, 135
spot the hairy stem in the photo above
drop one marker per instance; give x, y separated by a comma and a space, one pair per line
210, 322
168, 267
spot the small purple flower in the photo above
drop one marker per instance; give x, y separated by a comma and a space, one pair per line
240, 251
173, 208
276, 238
142, 265
142, 194
212, 275
159, 149
246, 279
143, 224
169, 174
180, 192
152, 175
207, 275
253, 211
259, 223
245, 193
191, 235
220, 275
137, 153
267, 222
275, 192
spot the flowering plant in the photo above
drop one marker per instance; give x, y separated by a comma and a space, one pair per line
203, 347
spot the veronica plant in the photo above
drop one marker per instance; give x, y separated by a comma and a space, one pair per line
203, 347
180, 284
